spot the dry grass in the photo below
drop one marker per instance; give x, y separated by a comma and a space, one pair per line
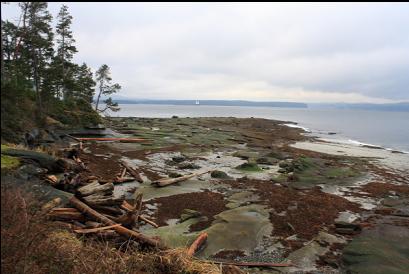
32, 244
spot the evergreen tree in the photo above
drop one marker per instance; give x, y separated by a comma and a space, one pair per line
65, 52
85, 84
103, 77
38, 40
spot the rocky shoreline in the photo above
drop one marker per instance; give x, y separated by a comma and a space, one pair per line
274, 194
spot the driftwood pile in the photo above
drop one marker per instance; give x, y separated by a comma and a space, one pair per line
95, 210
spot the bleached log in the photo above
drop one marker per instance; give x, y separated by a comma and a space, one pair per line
169, 181
132, 172
98, 199
96, 187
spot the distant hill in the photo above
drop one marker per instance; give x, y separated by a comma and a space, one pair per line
214, 103
404, 106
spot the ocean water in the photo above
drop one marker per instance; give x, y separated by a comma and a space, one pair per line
380, 128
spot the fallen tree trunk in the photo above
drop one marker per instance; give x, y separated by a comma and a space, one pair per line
197, 244
169, 181
43, 159
124, 140
119, 229
132, 172
96, 187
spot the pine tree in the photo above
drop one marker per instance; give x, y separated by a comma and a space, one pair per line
103, 77
85, 84
65, 52
38, 40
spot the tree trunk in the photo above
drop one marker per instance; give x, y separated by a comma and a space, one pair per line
37, 86
99, 95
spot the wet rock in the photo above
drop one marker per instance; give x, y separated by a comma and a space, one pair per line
188, 166
188, 214
29, 171
404, 212
279, 155
282, 170
249, 167
266, 161
219, 174
291, 177
391, 202
382, 249
178, 159
174, 175
283, 164
347, 228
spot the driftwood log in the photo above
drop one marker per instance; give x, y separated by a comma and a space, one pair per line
169, 181
119, 180
197, 244
97, 229
68, 214
96, 187
82, 207
100, 199
132, 172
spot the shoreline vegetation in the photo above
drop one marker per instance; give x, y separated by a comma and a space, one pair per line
293, 206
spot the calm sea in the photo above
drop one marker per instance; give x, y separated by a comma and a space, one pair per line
380, 128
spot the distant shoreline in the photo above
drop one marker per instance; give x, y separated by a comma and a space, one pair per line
241, 103
398, 107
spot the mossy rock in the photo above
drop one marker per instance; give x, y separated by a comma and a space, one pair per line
245, 155
266, 161
178, 159
188, 166
249, 167
9, 162
189, 214
219, 174
278, 155
283, 164
174, 175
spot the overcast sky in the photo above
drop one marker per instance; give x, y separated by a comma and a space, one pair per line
262, 52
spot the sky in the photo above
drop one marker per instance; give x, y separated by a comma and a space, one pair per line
315, 52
